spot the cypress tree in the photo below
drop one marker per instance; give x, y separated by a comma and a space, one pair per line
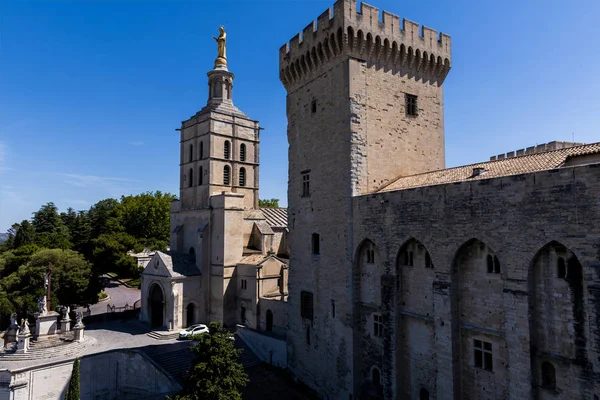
73, 390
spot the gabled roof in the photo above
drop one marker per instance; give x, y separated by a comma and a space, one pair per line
258, 259
176, 265
492, 169
276, 217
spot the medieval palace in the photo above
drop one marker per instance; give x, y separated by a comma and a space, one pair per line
407, 280
411, 281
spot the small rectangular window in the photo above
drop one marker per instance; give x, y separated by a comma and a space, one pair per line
411, 105
313, 106
305, 185
482, 354
316, 244
333, 308
306, 305
378, 325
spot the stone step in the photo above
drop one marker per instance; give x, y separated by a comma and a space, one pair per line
160, 336
38, 353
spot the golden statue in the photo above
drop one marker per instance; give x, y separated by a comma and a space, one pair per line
221, 48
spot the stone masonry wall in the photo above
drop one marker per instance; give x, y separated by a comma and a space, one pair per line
319, 350
524, 310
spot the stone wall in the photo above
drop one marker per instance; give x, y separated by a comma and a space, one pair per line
112, 375
269, 349
485, 271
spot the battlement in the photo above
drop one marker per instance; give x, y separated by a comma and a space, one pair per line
540, 148
378, 37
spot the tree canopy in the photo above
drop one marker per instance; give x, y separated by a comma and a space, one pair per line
268, 203
217, 373
85, 243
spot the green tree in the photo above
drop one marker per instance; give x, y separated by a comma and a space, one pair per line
25, 234
217, 374
73, 392
147, 216
103, 217
110, 254
81, 232
50, 230
268, 203
71, 276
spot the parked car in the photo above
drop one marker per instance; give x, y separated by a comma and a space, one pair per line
190, 331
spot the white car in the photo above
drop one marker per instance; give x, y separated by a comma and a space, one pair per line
190, 331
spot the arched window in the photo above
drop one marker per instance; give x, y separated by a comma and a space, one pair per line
201, 150
243, 315
493, 264
548, 376
561, 268
227, 149
410, 258
376, 377
191, 152
200, 175
424, 394
428, 263
242, 176
226, 174
191, 180
242, 152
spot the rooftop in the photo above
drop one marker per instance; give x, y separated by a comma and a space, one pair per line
522, 164
276, 217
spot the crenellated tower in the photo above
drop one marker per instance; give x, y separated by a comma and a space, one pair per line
364, 106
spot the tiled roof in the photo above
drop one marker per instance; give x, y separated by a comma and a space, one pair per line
179, 264
492, 169
257, 259
276, 217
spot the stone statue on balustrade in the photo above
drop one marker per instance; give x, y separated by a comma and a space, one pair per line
43, 310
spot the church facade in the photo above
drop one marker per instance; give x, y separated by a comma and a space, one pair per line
412, 281
228, 258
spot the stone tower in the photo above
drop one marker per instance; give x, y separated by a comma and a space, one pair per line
219, 159
219, 148
364, 106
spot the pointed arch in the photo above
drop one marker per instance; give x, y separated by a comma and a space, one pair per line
369, 272
191, 153
200, 176
191, 177
351, 39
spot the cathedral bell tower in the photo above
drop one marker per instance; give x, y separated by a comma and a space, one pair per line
219, 145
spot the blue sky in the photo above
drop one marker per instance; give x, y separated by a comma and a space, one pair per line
91, 91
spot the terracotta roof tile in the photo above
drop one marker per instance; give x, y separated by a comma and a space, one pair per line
492, 169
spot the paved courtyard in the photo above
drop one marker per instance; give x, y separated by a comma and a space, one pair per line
119, 296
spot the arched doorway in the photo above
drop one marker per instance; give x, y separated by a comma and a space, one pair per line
156, 305
191, 312
269, 321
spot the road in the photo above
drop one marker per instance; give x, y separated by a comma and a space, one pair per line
119, 296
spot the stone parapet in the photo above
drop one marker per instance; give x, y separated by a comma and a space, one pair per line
377, 37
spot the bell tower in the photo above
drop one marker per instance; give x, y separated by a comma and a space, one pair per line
219, 144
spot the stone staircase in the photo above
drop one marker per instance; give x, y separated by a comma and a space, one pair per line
178, 362
247, 358
139, 327
51, 347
